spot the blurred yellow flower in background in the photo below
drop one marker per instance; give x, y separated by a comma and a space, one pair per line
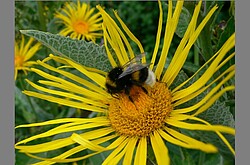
23, 53
80, 20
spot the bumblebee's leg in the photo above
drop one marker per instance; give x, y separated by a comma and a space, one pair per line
140, 85
127, 92
144, 89
130, 98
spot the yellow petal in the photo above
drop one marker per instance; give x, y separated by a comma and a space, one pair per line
218, 132
76, 78
195, 94
182, 140
110, 45
141, 152
48, 161
31, 51
180, 124
63, 120
196, 73
122, 143
86, 143
130, 150
67, 95
169, 33
207, 101
100, 80
207, 127
192, 39
158, 36
115, 36
15, 73
63, 129
160, 149
81, 90
212, 100
24, 49
110, 57
172, 70
131, 36
208, 73
65, 102
99, 135
117, 142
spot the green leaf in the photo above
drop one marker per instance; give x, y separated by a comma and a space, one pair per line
21, 158
180, 78
218, 114
151, 159
227, 32
190, 157
183, 22
22, 104
99, 158
190, 66
213, 159
85, 53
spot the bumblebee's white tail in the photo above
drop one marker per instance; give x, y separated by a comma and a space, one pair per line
151, 78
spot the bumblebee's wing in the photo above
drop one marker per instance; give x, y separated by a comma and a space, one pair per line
132, 68
134, 60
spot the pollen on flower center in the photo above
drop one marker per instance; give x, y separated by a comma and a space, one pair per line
19, 61
81, 27
145, 114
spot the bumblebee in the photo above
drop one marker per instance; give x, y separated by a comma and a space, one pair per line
123, 78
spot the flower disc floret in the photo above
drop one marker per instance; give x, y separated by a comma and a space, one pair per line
145, 114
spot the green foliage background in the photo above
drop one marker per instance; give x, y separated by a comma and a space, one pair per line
142, 19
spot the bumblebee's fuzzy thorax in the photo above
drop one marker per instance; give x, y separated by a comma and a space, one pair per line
122, 78
115, 85
114, 73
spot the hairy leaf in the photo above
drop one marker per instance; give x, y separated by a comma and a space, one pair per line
183, 23
85, 53
218, 114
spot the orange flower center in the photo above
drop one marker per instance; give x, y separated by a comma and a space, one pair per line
19, 60
81, 27
145, 114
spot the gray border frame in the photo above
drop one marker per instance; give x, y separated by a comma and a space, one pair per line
7, 154
242, 82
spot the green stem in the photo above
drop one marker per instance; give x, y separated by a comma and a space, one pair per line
205, 43
42, 20
41, 15
201, 158
182, 154
204, 38
196, 56
31, 105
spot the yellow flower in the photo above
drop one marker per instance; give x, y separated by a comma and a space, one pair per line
23, 53
80, 21
128, 128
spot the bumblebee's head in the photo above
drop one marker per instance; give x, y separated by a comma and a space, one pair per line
114, 73
112, 84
